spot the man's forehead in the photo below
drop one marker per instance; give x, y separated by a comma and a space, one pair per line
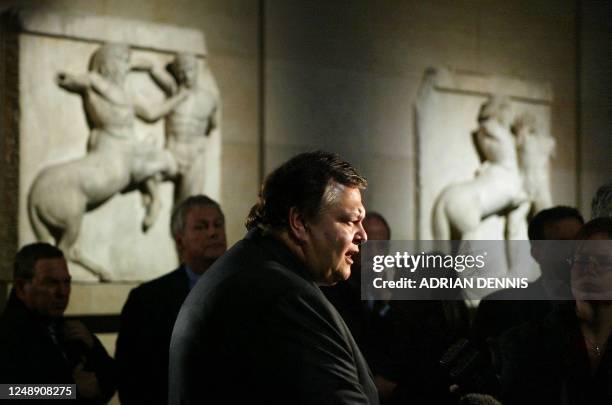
562, 229
55, 267
346, 198
204, 212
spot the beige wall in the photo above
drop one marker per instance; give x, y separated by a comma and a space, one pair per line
343, 75
595, 104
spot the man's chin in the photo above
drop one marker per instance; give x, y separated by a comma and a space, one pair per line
341, 275
213, 253
56, 313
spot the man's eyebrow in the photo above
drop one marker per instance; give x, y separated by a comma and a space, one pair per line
357, 215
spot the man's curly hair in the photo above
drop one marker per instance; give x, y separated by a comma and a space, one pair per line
305, 182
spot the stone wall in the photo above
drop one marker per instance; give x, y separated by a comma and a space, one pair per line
595, 104
344, 75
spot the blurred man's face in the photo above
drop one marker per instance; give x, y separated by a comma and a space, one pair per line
48, 292
203, 239
552, 256
333, 237
592, 269
375, 229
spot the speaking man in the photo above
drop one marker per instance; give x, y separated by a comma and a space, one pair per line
257, 328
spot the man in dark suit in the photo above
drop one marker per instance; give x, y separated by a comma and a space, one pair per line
37, 344
257, 328
147, 319
505, 309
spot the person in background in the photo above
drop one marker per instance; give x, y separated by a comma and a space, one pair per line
601, 206
505, 309
566, 357
422, 330
37, 344
147, 319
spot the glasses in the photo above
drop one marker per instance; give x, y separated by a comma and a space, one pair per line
599, 262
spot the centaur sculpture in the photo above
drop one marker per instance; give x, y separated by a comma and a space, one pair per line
61, 194
512, 181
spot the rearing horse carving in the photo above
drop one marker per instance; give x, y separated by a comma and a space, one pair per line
61, 194
511, 181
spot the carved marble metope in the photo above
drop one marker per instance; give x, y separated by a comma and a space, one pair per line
117, 124
483, 149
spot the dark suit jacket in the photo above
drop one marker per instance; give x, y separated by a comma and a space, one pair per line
543, 361
256, 329
502, 310
29, 354
143, 343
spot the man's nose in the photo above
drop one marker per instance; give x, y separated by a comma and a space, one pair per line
361, 236
212, 232
63, 290
592, 267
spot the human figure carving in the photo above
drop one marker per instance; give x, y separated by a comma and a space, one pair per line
497, 187
189, 123
61, 194
534, 150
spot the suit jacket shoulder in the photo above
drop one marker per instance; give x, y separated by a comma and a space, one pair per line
172, 284
143, 342
258, 329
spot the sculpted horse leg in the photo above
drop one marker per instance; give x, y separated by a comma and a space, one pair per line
516, 229
151, 202
148, 166
41, 231
67, 244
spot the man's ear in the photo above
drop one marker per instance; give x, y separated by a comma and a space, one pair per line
537, 251
21, 285
297, 225
178, 243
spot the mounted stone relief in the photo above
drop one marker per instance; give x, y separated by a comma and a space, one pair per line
511, 181
483, 150
119, 120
